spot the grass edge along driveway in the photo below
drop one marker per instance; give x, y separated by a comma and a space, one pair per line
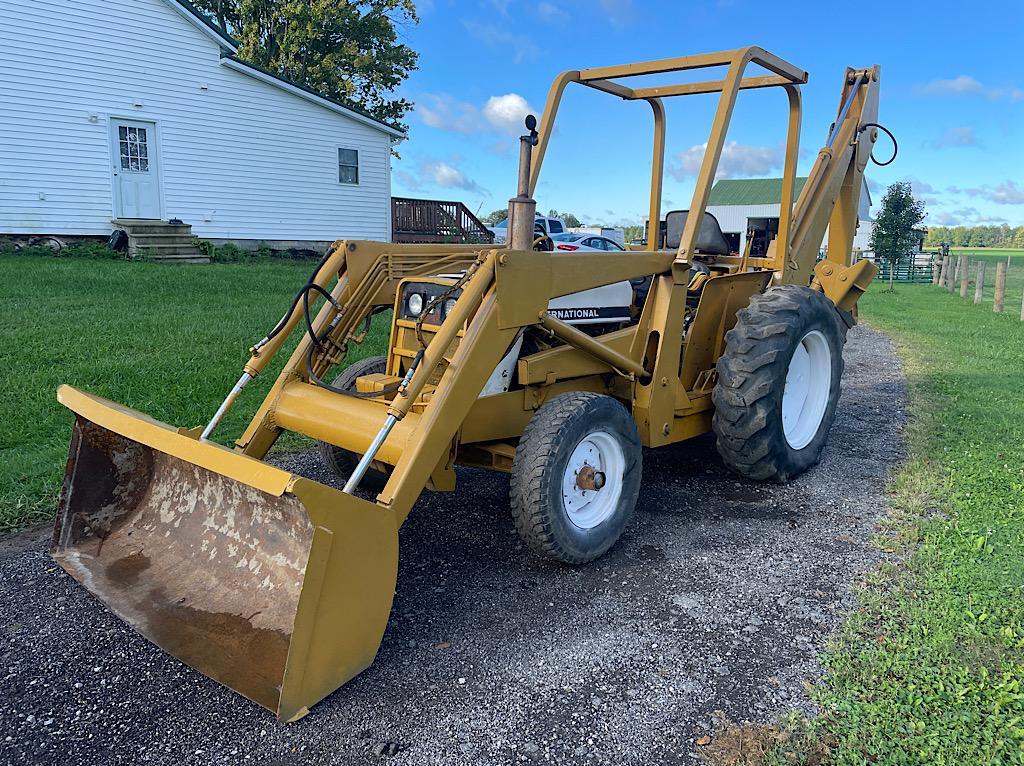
930, 669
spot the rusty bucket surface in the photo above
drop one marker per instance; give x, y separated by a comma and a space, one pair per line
273, 585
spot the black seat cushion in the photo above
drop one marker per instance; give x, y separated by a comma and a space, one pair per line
710, 239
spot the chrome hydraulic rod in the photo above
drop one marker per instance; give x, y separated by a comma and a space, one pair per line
225, 405
842, 112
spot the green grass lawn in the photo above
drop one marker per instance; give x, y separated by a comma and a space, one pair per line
167, 340
931, 669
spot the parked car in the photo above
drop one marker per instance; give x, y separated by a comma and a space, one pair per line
547, 224
586, 242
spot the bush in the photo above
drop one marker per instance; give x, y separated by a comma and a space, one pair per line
84, 249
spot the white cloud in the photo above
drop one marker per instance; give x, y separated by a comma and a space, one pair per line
442, 111
444, 175
619, 12
955, 137
965, 85
920, 187
506, 113
551, 13
737, 161
502, 114
958, 85
520, 47
438, 173
1005, 193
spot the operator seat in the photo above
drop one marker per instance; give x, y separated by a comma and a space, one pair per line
710, 239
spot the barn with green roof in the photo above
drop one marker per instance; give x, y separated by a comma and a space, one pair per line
750, 207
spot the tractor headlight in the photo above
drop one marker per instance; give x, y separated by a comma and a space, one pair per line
449, 307
414, 304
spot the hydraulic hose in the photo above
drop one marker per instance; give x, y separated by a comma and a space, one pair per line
895, 146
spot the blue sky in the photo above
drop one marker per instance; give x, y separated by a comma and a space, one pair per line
952, 92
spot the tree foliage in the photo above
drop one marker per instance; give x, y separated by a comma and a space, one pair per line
634, 232
976, 236
893, 238
571, 221
348, 50
495, 216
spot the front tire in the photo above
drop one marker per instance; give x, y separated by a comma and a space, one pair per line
340, 461
779, 383
576, 477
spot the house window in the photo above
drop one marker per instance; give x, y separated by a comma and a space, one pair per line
348, 166
134, 149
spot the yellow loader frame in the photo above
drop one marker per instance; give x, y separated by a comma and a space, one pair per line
281, 587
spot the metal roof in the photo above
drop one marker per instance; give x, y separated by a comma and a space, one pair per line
750, 191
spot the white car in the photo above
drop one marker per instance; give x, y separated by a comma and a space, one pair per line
572, 242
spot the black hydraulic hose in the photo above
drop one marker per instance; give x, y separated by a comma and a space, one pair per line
298, 296
317, 342
895, 146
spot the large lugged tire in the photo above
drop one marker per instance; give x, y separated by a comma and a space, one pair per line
576, 477
779, 383
341, 461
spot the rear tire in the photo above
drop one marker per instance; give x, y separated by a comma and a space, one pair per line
341, 461
779, 383
576, 438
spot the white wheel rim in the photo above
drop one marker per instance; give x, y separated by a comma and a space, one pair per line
808, 383
601, 452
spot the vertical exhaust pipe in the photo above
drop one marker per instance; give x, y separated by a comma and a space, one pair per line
522, 209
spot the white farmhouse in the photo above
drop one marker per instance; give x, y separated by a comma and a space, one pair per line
118, 113
750, 207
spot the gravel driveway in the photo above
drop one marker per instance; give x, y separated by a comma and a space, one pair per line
717, 598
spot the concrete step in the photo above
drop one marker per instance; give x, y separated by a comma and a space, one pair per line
196, 258
168, 252
171, 248
153, 227
149, 240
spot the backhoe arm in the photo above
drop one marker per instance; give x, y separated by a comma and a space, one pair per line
831, 196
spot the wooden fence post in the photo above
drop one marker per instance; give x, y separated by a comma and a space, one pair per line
951, 273
936, 269
1022, 310
965, 279
997, 306
979, 282
942, 270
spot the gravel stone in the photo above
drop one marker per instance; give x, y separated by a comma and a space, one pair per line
623, 661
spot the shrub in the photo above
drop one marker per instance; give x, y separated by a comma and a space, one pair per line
84, 249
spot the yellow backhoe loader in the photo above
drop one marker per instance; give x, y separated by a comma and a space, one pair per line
280, 587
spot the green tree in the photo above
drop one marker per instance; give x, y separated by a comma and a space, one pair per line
495, 216
571, 221
633, 232
893, 239
347, 50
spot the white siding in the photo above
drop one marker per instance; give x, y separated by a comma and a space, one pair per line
239, 159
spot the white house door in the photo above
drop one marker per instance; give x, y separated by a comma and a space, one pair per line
136, 170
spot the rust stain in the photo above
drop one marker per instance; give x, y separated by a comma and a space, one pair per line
207, 568
126, 570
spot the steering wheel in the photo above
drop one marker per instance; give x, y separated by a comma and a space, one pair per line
544, 243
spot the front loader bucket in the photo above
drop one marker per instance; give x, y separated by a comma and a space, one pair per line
273, 585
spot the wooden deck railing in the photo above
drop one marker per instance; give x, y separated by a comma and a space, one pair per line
427, 220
